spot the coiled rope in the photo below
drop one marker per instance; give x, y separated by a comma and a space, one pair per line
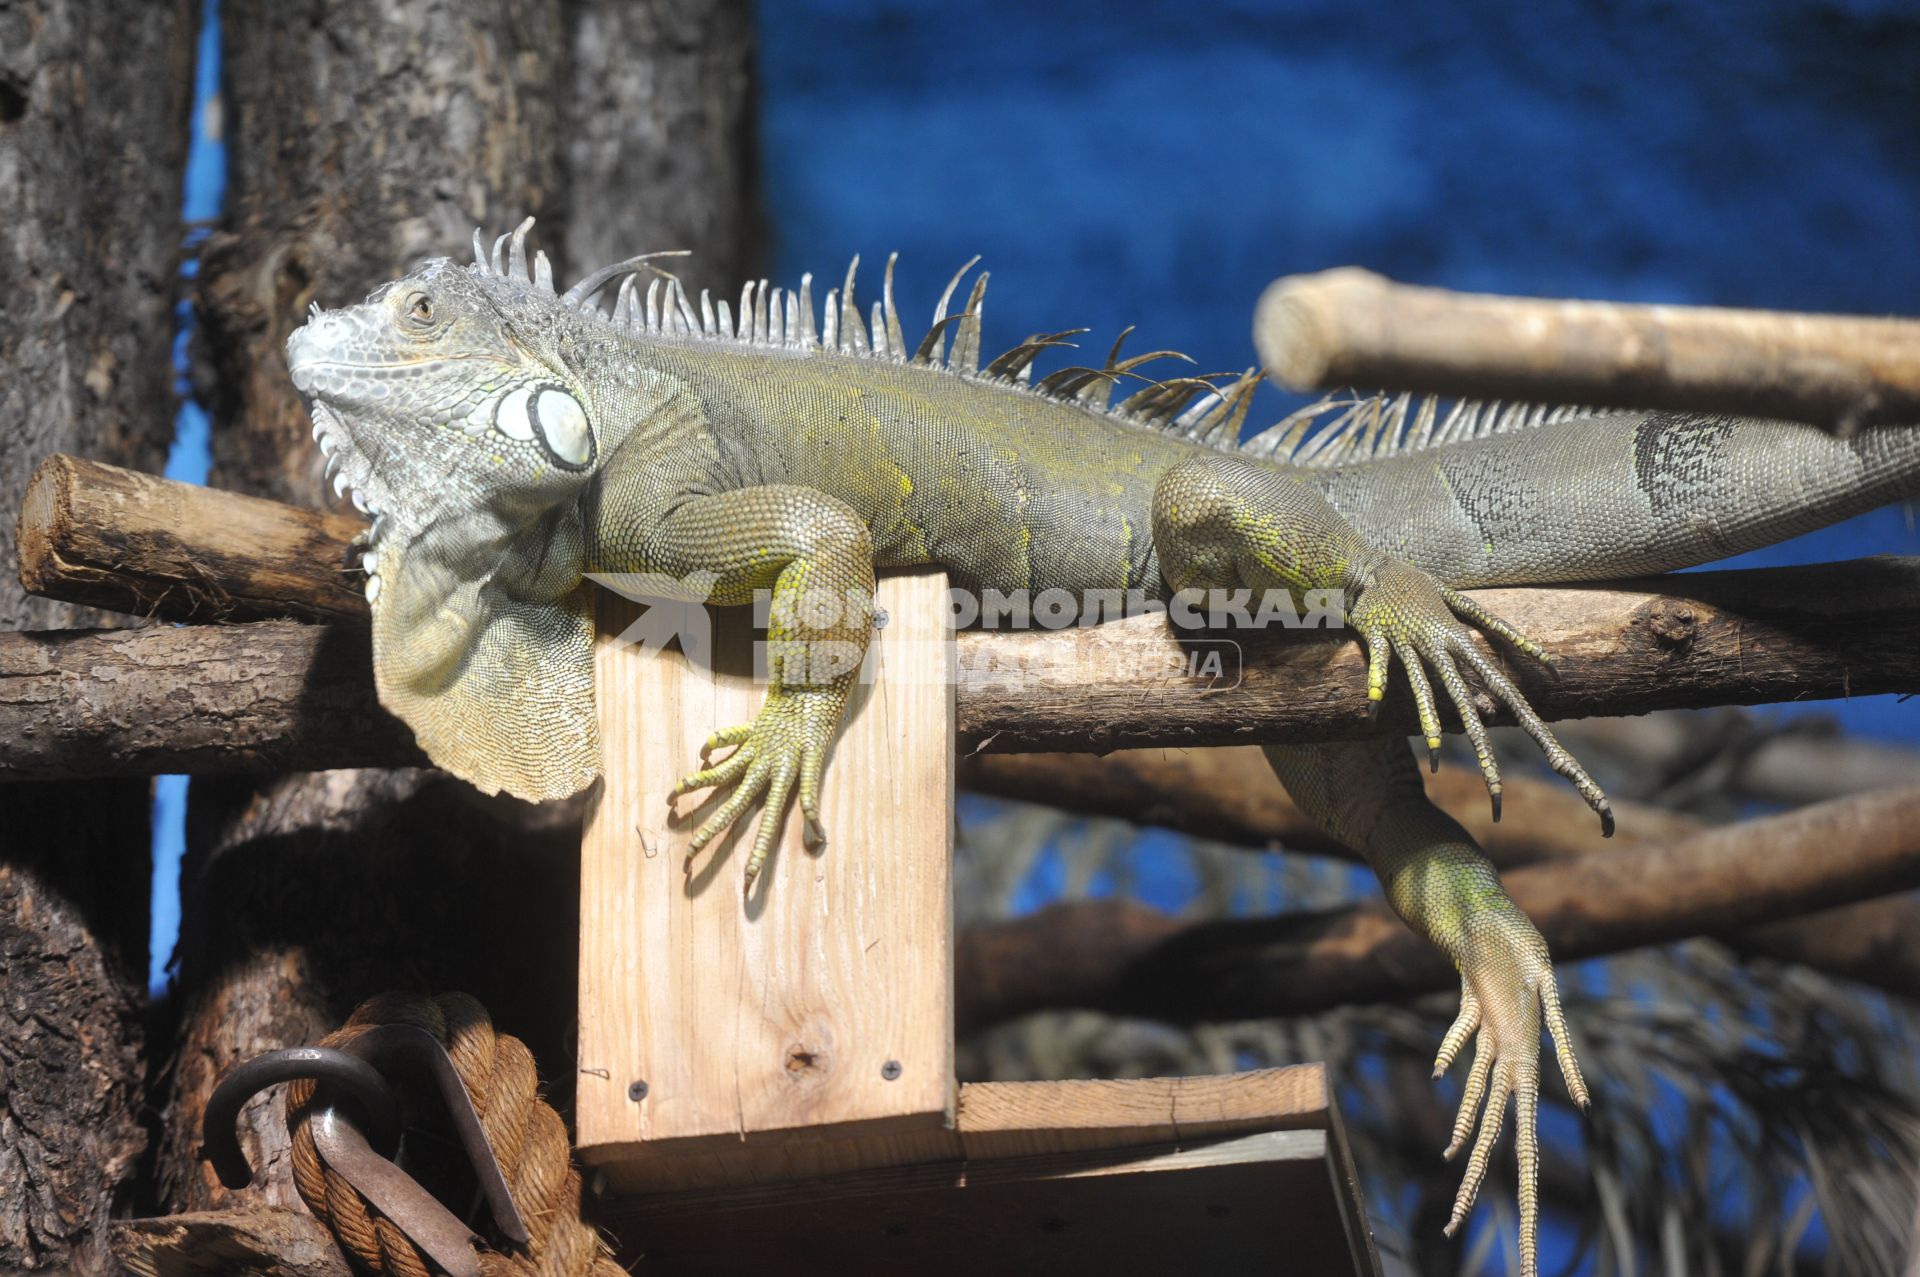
527, 1136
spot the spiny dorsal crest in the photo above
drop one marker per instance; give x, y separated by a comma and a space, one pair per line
1208, 409
1343, 430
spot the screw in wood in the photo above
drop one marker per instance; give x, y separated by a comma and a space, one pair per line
890, 1070
636, 1091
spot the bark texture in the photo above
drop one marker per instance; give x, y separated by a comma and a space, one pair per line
73, 928
659, 137
104, 704
367, 135
136, 543
260, 1242
94, 97
202, 700
363, 137
90, 167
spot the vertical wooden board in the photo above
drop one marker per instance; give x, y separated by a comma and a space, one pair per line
780, 1014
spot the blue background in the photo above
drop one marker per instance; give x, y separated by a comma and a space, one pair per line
1154, 164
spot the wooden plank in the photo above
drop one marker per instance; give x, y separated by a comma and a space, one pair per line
1260, 1203
1012, 1119
1015, 1119
778, 1018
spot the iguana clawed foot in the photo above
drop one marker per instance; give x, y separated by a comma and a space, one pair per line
782, 749
1506, 984
1403, 611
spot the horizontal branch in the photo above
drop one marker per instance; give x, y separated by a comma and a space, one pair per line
1231, 796
1125, 958
1351, 327
272, 696
131, 542
285, 696
1710, 638
187, 553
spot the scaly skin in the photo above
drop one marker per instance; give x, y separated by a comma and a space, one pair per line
510, 440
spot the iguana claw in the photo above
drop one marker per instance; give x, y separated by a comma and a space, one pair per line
1402, 611
1506, 989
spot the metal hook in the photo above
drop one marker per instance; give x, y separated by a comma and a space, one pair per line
342, 1145
351, 1073
431, 1226
384, 1043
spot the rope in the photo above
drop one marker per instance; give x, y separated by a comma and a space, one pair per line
527, 1136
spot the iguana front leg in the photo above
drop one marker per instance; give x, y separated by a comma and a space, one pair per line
815, 555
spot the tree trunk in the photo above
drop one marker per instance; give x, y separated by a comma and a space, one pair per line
91, 159
659, 137
364, 137
73, 927
356, 153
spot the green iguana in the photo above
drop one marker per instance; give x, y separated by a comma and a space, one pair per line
509, 438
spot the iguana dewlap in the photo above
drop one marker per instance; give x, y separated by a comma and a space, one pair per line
509, 439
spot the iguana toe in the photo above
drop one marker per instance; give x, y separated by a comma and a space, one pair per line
774, 756
1507, 992
1404, 611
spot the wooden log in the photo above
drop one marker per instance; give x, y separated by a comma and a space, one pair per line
265, 1242
238, 698
1743, 637
835, 973
132, 542
1125, 958
1230, 795
1730, 637
1350, 327
241, 697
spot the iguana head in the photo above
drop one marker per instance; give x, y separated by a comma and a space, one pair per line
451, 404
449, 390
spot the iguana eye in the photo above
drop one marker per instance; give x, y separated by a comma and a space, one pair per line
421, 308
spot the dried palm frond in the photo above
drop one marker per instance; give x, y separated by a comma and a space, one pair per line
1751, 1118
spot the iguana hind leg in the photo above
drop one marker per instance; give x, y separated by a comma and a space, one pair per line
1226, 522
1368, 794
